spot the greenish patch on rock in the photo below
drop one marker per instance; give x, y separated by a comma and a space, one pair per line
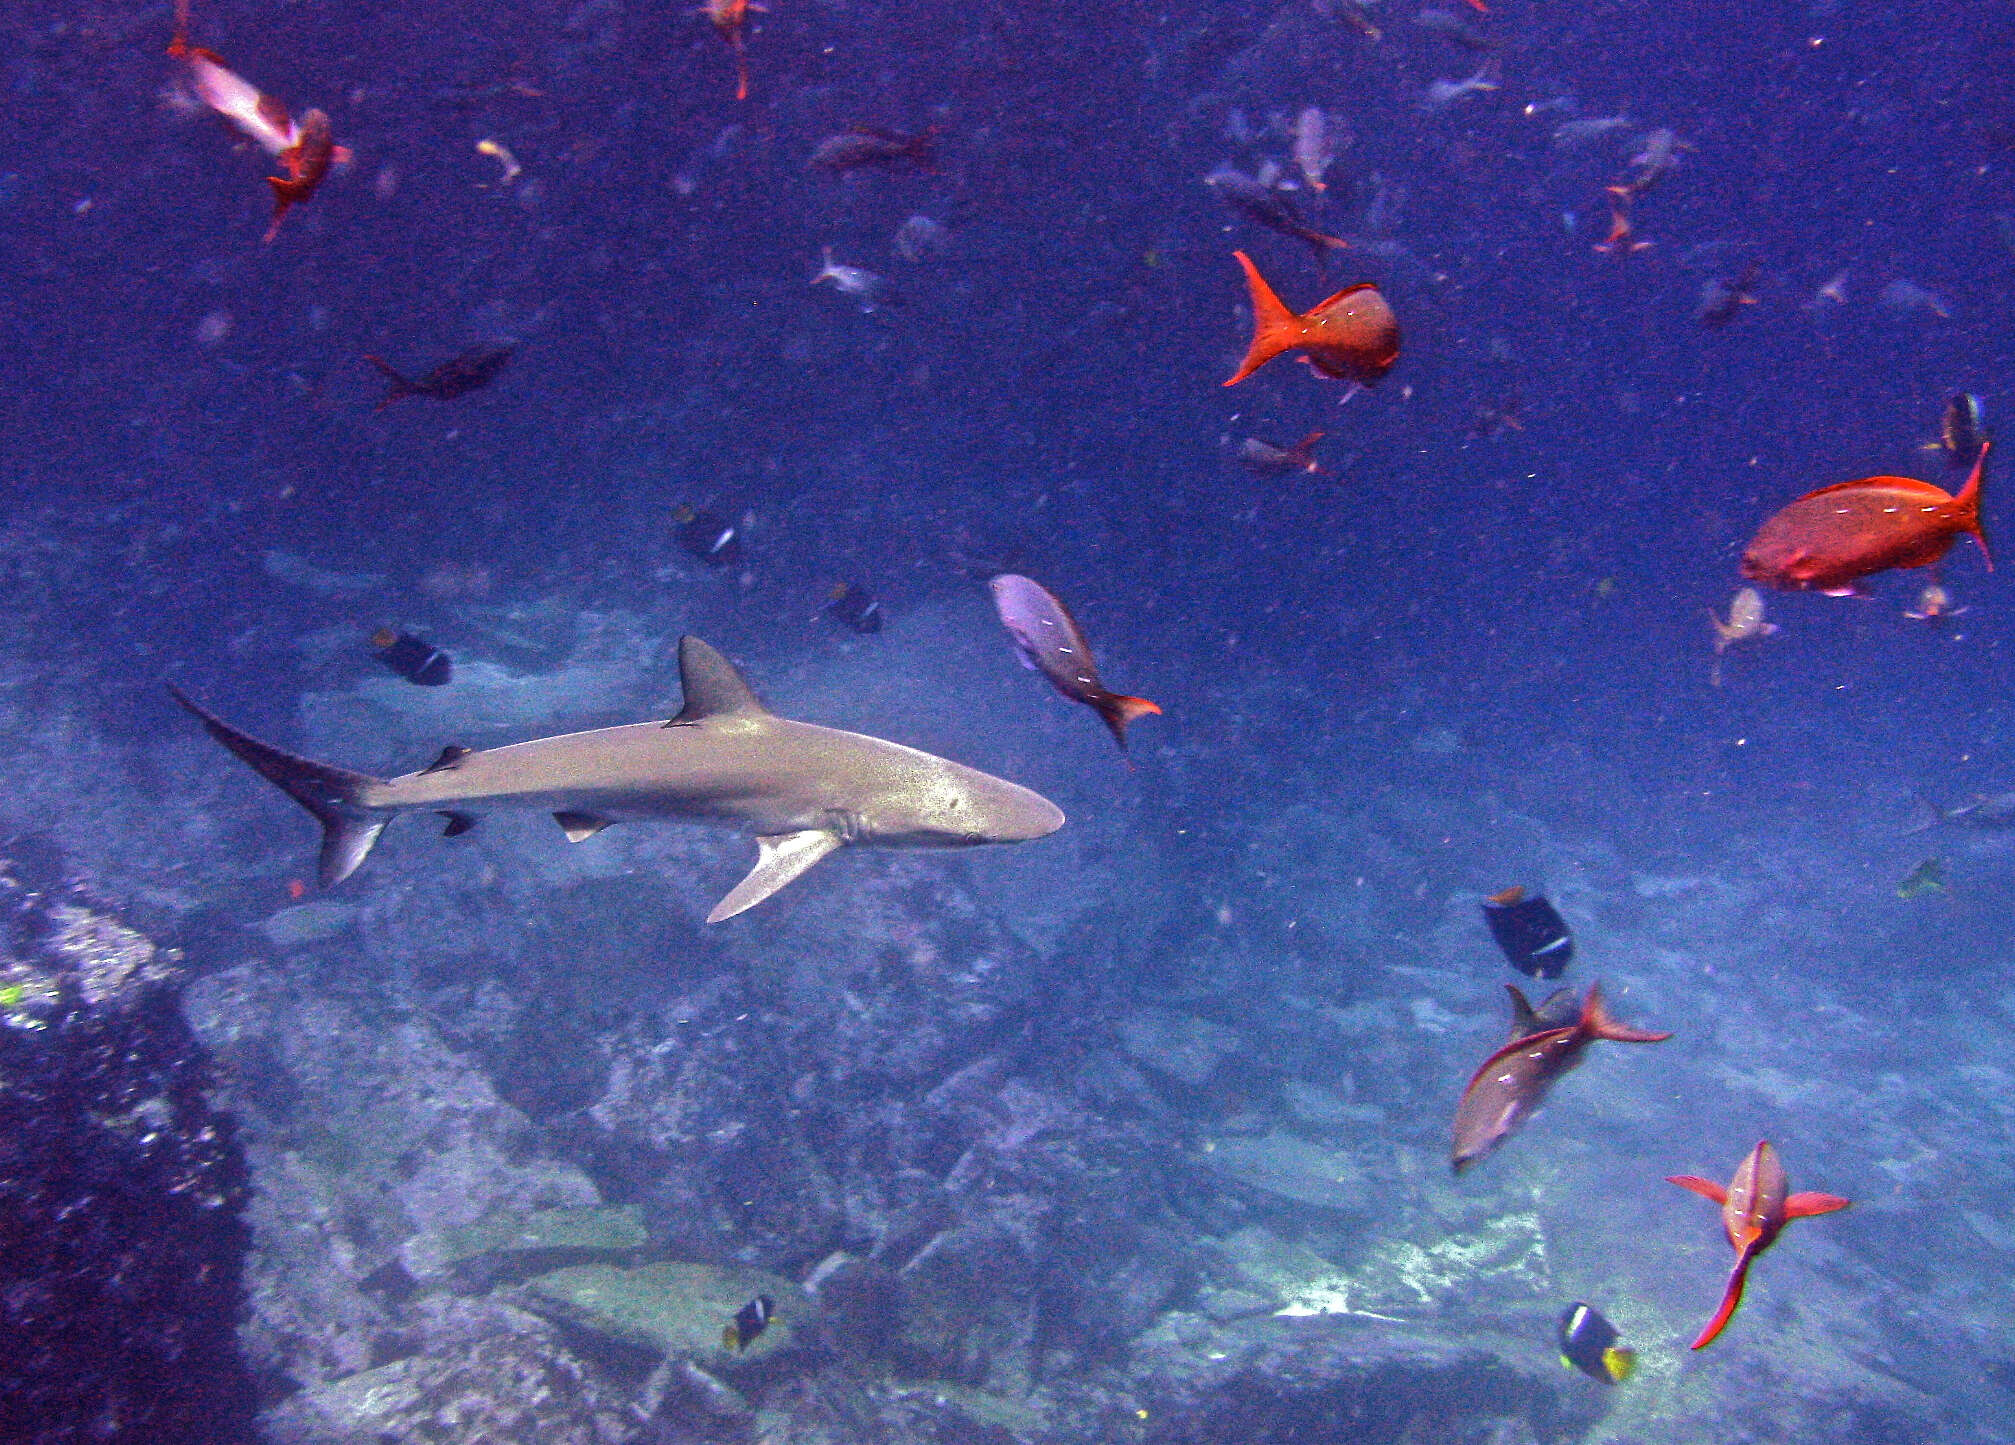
1293, 1169
674, 1308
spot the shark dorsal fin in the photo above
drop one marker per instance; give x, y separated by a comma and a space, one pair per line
452, 754
713, 686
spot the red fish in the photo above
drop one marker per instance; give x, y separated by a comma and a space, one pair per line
731, 18
1514, 1080
1755, 1207
1352, 336
1828, 540
305, 149
1049, 641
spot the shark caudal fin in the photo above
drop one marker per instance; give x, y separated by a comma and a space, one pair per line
333, 795
1968, 502
1274, 328
1730, 1298
1596, 1022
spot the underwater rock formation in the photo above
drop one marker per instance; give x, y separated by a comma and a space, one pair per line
120, 1188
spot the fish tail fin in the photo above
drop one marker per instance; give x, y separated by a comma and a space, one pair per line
287, 190
1597, 1022
741, 69
1730, 1298
1274, 327
396, 385
1924, 815
334, 795
1968, 502
1118, 710
1805, 1205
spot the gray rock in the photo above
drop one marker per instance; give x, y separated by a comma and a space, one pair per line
1179, 1046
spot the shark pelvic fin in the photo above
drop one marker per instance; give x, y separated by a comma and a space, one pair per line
713, 687
783, 857
579, 827
333, 795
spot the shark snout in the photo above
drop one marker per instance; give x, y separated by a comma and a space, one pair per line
1022, 815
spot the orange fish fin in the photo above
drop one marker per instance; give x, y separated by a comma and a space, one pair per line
1901, 484
1274, 328
1329, 301
1968, 502
1730, 1298
1804, 1206
1118, 710
1705, 1188
1597, 1023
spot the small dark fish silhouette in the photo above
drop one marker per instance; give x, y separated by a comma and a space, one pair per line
457, 376
1722, 301
1266, 459
1269, 207
866, 145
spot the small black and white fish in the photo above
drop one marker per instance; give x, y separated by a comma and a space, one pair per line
1962, 430
749, 1321
413, 658
855, 607
709, 537
1531, 932
1588, 1343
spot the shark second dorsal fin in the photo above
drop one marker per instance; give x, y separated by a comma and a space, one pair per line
783, 857
713, 687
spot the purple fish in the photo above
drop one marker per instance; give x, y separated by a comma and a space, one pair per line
1048, 639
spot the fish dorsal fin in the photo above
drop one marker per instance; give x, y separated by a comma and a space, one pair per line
450, 755
1345, 293
580, 827
1925, 490
783, 857
713, 687
1523, 1020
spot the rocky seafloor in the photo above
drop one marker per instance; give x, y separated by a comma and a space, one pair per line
1111, 1138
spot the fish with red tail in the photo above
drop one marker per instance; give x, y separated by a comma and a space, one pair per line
305, 149
1755, 1207
1050, 642
1828, 540
1352, 335
457, 376
1513, 1081
730, 19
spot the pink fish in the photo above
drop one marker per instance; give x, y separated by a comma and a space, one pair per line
1514, 1080
1755, 1207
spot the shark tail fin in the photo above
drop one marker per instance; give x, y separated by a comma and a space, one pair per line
333, 795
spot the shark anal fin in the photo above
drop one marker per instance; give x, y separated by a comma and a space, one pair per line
712, 685
580, 826
783, 857
450, 755
458, 824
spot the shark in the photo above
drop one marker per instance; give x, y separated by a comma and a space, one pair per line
801, 789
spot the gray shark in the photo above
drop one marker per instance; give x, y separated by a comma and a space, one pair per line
803, 790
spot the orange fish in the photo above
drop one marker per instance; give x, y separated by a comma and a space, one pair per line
1828, 540
1352, 336
1755, 1207
305, 149
730, 18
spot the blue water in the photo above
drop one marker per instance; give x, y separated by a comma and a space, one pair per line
1510, 627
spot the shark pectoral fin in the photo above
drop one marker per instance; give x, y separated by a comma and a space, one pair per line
783, 857
580, 826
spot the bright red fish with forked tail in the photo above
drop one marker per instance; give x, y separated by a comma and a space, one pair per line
1828, 540
1352, 336
1755, 1207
